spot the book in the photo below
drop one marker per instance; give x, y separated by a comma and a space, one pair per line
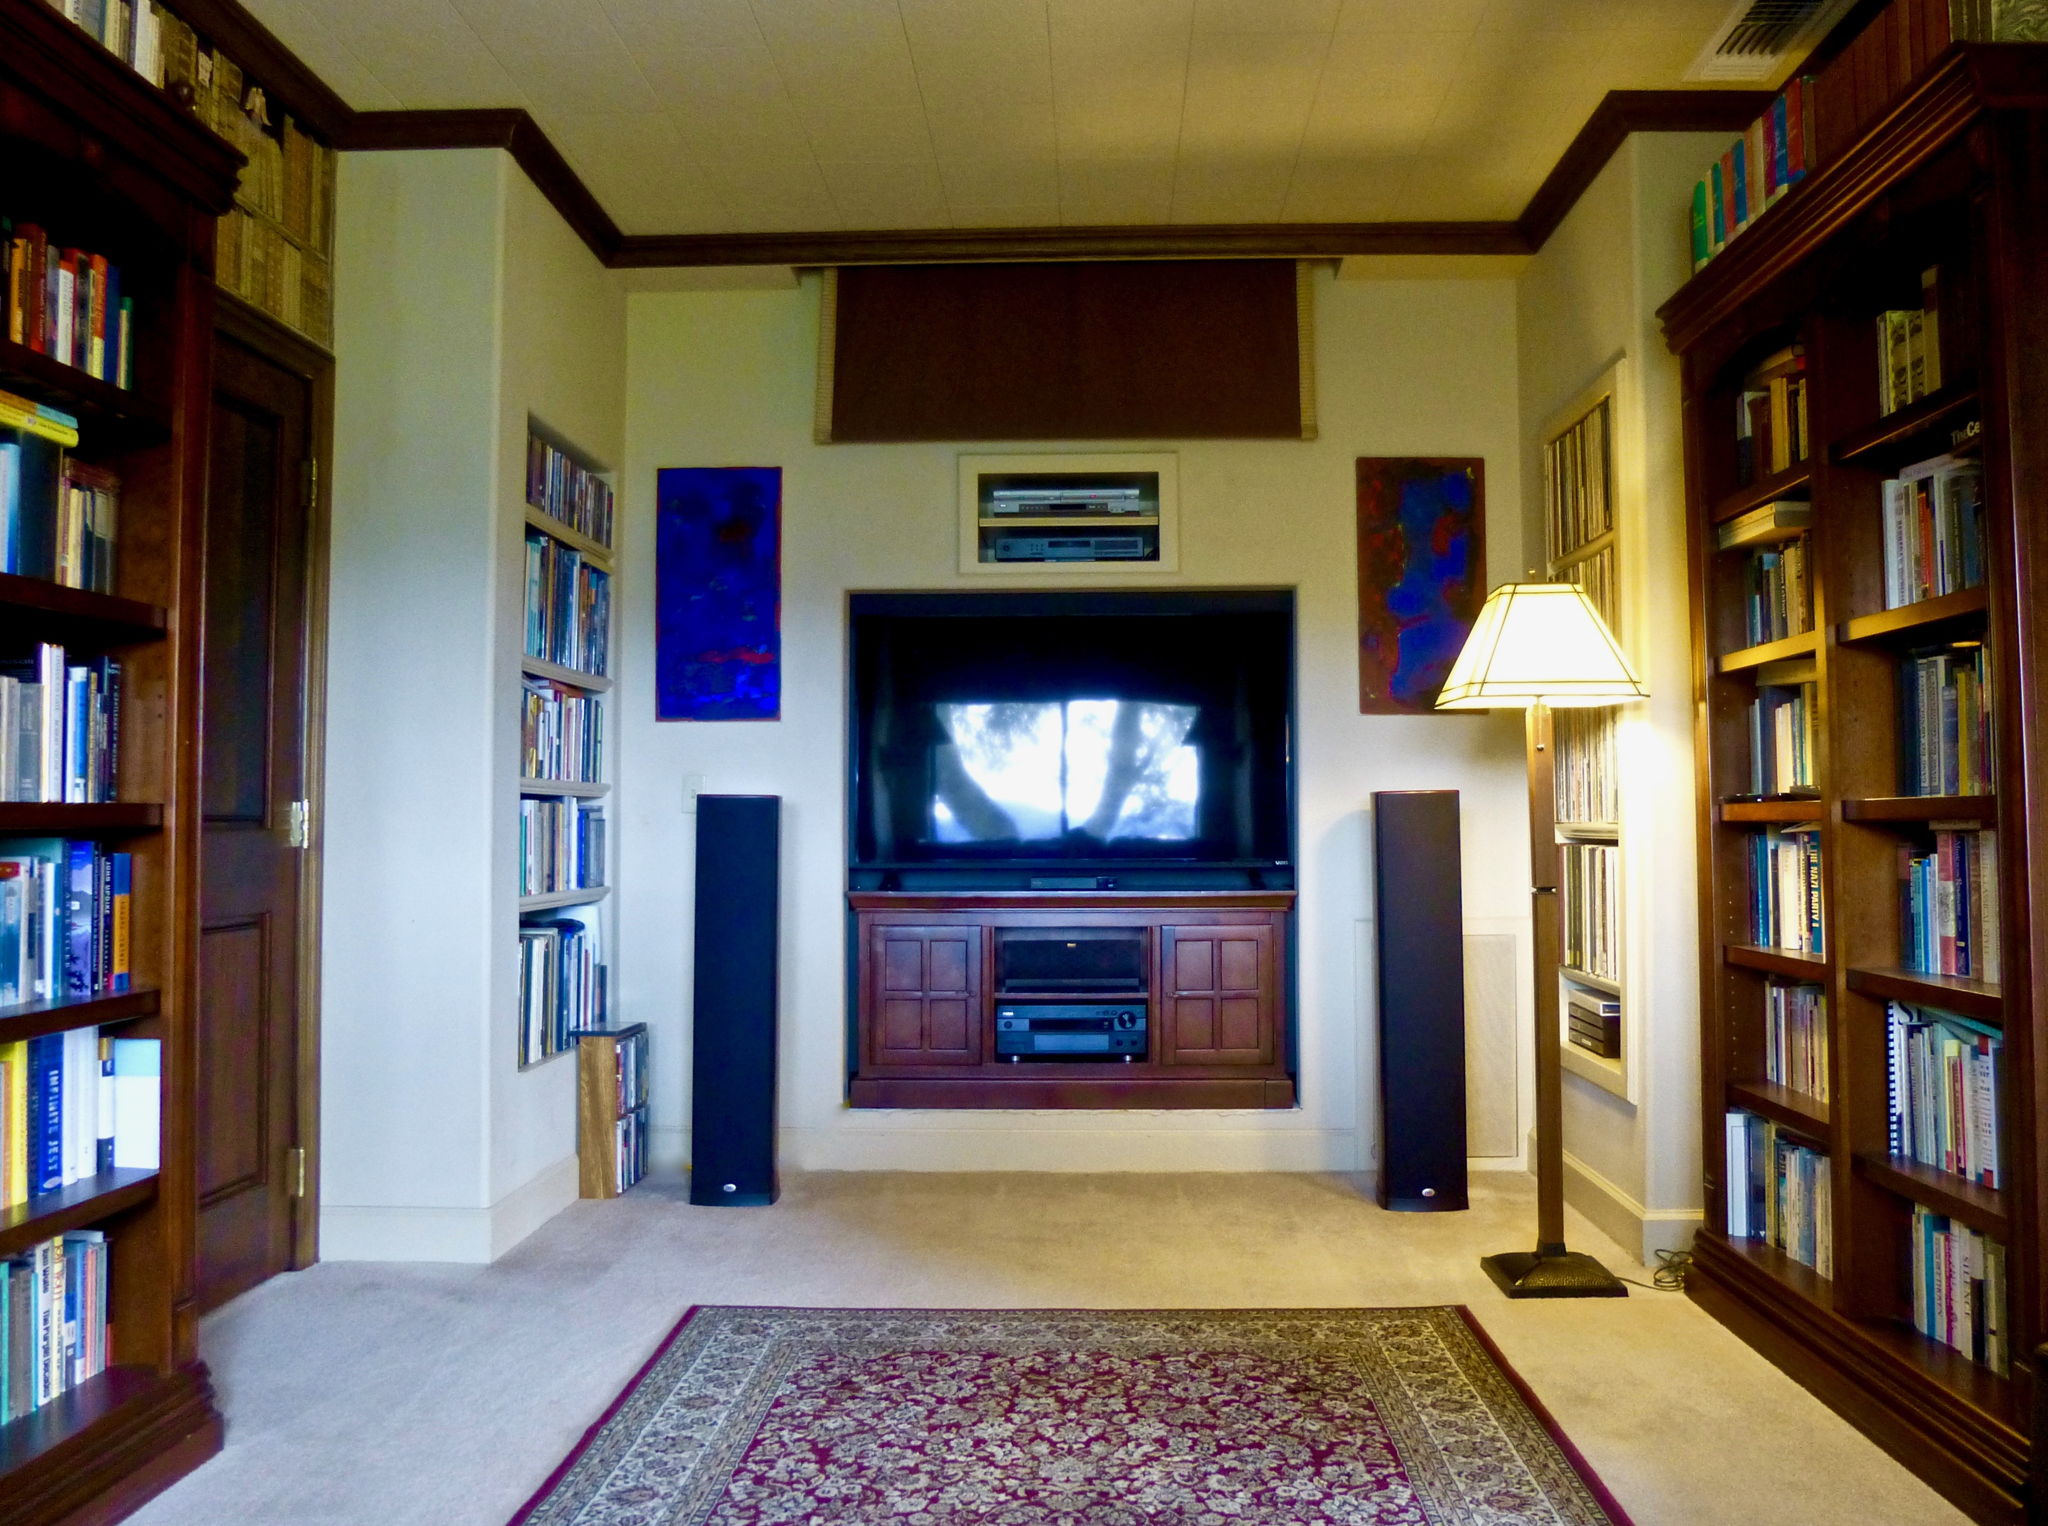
1796, 1037
53, 1320
137, 1097
1947, 731
1778, 1191
1948, 905
565, 489
1785, 889
1959, 1288
1777, 520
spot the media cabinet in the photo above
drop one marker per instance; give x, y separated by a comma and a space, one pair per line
1215, 967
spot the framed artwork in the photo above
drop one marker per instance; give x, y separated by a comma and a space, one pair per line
718, 593
1421, 575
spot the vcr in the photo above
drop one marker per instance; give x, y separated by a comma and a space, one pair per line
1071, 1030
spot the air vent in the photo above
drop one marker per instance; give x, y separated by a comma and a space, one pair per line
1759, 38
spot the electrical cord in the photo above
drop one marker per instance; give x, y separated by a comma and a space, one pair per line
1673, 1267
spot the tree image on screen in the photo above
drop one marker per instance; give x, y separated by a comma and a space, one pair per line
1096, 769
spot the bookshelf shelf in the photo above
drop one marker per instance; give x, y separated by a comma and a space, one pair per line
77, 616
1913, 810
1794, 1276
1952, 993
1777, 961
1770, 812
83, 1203
1960, 1379
1781, 1104
594, 552
112, 819
71, 1422
1902, 436
564, 787
29, 1020
597, 683
1915, 620
1786, 484
1587, 978
561, 898
1588, 831
1982, 1208
1805, 644
108, 415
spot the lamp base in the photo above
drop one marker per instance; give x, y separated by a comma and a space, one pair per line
1557, 1274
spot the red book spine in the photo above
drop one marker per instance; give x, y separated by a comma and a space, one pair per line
1795, 131
96, 297
38, 278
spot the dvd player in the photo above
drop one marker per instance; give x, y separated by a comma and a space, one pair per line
1071, 1030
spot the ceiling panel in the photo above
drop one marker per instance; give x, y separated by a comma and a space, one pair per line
778, 115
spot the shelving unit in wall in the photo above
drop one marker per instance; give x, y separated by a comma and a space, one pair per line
1582, 540
565, 747
1865, 373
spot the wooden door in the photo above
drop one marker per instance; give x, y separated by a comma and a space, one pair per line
1218, 1001
925, 995
252, 779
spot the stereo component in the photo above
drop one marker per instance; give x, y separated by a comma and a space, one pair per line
1071, 1030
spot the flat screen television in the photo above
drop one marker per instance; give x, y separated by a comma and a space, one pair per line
1052, 739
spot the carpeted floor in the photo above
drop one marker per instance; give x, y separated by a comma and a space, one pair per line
362, 1395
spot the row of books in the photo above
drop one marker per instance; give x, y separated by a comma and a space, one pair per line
1945, 721
561, 846
1779, 1192
1943, 1079
1948, 906
1575, 483
53, 1320
564, 489
568, 607
629, 1149
1585, 777
1784, 889
1909, 347
132, 30
60, 727
1777, 598
629, 1067
561, 733
1781, 740
67, 303
562, 986
57, 514
1933, 517
1771, 432
73, 1105
65, 920
261, 263
1595, 574
1775, 154
1959, 1288
1796, 1038
1592, 908
1593, 1021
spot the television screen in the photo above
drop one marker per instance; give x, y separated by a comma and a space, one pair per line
1074, 728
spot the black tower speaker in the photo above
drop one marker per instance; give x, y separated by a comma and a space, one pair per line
732, 1067
1421, 1000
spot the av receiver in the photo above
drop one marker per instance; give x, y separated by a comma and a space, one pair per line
1072, 1030
1015, 547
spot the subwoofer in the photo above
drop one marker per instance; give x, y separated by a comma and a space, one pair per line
1421, 958
732, 1070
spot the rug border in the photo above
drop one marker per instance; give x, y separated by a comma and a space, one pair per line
590, 1433
1536, 1407
1548, 1421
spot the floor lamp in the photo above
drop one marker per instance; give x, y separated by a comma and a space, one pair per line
1536, 646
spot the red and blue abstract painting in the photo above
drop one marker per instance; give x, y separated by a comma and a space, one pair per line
718, 593
1421, 575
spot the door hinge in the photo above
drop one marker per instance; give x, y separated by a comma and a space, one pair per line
309, 477
301, 822
295, 1171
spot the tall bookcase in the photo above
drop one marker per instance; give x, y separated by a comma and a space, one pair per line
1942, 203
564, 773
104, 161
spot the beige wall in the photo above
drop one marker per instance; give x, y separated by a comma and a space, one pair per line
726, 379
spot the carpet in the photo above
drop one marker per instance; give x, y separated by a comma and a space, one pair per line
1274, 1417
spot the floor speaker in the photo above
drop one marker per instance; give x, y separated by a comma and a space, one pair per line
732, 1049
1421, 960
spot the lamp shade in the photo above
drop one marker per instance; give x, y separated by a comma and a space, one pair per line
1539, 641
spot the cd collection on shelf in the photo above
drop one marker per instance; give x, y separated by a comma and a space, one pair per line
564, 489
561, 985
1592, 904
561, 846
561, 733
568, 606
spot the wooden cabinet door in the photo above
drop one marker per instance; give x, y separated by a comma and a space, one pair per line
1218, 1002
924, 995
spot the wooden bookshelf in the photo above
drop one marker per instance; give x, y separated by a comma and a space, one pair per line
611, 1109
1951, 179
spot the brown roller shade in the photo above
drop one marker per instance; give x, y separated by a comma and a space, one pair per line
1181, 349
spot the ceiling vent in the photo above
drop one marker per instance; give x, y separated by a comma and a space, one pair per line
1758, 39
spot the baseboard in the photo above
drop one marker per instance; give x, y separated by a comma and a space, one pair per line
1033, 1147
357, 1232
1618, 1215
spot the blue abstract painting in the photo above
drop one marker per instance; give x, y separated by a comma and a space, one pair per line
1421, 576
718, 593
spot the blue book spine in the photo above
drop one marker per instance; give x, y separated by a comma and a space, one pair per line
10, 506
1781, 158
1742, 210
78, 921
121, 881
46, 1112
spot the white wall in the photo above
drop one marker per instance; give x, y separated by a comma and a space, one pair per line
462, 303
1589, 299
726, 379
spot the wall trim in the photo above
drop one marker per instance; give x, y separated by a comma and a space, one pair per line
1641, 1230
476, 1236
940, 1148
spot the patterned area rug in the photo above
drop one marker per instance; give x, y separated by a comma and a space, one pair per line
1283, 1417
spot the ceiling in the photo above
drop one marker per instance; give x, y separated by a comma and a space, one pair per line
727, 116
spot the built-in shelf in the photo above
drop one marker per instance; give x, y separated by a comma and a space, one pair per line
78, 617
1782, 1105
1911, 810
1786, 484
1915, 619
68, 1420
1900, 436
563, 787
1978, 1387
83, 1203
594, 552
1951, 993
1589, 831
1776, 961
108, 416
574, 677
1587, 978
563, 898
1805, 644
1795, 1276
1789, 811
48, 818
1982, 1208
32, 1019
